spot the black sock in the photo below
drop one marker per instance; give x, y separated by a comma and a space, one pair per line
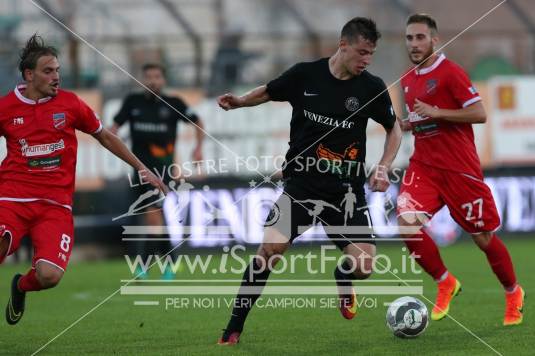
165, 247
243, 302
170, 248
344, 278
140, 248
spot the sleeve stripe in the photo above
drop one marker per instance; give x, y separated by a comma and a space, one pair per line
100, 127
471, 101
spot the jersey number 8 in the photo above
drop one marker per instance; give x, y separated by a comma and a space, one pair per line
65, 242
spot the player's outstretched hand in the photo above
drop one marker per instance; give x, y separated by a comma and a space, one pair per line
379, 179
229, 101
156, 182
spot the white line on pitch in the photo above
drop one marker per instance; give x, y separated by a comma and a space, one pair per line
146, 302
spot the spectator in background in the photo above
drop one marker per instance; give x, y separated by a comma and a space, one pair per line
153, 118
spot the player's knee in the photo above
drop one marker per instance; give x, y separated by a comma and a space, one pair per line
409, 225
263, 254
482, 240
269, 250
364, 268
360, 275
49, 278
261, 257
270, 254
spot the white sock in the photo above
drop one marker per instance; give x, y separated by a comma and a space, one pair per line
443, 277
511, 289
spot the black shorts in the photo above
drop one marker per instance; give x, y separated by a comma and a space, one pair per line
299, 208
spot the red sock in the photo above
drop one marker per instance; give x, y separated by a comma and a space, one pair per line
500, 262
29, 282
429, 259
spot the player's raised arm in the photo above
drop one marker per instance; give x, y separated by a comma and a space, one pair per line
118, 148
379, 179
472, 114
384, 114
199, 138
392, 143
254, 97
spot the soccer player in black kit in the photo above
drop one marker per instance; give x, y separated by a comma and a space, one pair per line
332, 100
153, 129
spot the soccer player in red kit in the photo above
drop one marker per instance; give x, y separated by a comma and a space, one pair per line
38, 121
445, 169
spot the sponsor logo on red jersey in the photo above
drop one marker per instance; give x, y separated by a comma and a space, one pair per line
40, 150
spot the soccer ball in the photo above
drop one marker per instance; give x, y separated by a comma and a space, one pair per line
407, 317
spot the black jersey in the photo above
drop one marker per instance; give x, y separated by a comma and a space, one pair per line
153, 126
328, 125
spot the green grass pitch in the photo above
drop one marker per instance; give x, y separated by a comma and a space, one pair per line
120, 327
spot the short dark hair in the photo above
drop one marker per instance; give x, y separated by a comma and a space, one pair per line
34, 49
149, 66
363, 27
425, 19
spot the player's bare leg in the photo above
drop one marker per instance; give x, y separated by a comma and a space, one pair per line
482, 240
154, 218
501, 264
45, 275
425, 251
255, 277
358, 265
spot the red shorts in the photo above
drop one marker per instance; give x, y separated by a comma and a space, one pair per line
49, 226
427, 189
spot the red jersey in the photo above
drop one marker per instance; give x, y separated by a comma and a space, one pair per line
41, 145
442, 144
